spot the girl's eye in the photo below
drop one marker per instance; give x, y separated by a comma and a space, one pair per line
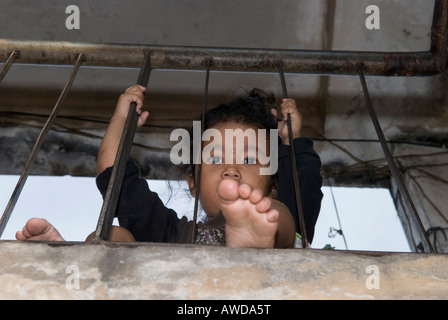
215, 160
250, 160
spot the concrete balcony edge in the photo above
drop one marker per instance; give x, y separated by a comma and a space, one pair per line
74, 270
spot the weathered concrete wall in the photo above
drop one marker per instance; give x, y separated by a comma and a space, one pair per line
48, 271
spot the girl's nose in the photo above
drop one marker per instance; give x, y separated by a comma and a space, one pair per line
231, 172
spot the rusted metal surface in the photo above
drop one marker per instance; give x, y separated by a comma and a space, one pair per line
227, 59
439, 35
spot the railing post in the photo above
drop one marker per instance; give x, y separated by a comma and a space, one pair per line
4, 70
112, 196
198, 175
40, 140
300, 216
393, 167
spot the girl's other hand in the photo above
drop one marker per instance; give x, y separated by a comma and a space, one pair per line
132, 94
289, 106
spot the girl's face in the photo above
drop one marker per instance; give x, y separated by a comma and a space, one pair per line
215, 166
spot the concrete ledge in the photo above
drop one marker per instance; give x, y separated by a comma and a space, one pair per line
42, 270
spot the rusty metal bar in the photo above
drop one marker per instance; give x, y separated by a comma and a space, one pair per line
424, 63
226, 59
5, 68
439, 35
295, 174
112, 196
40, 140
198, 175
393, 167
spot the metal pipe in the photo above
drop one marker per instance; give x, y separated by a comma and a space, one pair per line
439, 35
393, 167
295, 174
112, 196
4, 70
226, 59
40, 140
424, 63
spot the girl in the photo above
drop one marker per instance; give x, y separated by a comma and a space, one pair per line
239, 202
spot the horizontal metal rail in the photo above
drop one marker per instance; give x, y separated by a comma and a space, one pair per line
225, 59
424, 63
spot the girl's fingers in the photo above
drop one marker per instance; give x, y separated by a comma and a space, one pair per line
137, 94
136, 88
134, 94
288, 107
142, 118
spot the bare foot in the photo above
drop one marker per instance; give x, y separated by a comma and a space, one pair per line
38, 229
250, 221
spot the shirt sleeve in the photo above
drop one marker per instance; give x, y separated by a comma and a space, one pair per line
310, 182
140, 210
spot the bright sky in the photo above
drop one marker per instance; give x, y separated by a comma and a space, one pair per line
72, 204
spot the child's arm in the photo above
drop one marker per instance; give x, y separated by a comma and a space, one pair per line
111, 140
308, 166
289, 106
285, 236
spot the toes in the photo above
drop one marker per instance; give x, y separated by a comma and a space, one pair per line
245, 191
256, 196
36, 226
228, 190
20, 235
272, 215
25, 233
263, 205
38, 229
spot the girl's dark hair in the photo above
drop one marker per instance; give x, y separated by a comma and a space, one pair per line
254, 108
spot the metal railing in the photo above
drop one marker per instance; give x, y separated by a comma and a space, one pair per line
426, 63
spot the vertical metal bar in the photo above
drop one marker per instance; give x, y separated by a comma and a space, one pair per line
300, 216
111, 198
40, 140
14, 55
393, 167
198, 175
